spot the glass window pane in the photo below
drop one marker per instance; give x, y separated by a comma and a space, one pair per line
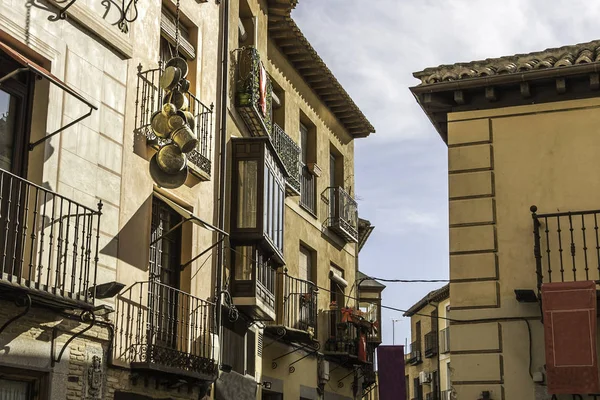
8, 116
304, 143
247, 193
243, 263
13, 390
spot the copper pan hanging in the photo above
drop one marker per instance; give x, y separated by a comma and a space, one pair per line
177, 121
170, 159
165, 180
169, 78
178, 99
190, 119
160, 125
180, 64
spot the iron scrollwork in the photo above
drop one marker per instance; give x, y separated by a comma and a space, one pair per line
127, 11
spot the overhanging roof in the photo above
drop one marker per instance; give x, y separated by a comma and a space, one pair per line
432, 297
289, 39
556, 74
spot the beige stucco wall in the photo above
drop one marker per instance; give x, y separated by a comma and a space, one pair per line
500, 163
99, 158
301, 226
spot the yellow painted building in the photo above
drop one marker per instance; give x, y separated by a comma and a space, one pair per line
427, 360
111, 271
522, 135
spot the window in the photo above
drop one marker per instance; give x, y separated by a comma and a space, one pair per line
239, 348
258, 196
247, 193
20, 384
168, 27
244, 263
309, 170
246, 26
16, 98
250, 353
305, 264
165, 261
278, 97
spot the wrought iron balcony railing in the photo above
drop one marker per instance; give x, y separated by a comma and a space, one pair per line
48, 243
447, 395
445, 340
254, 92
347, 335
566, 246
289, 152
161, 328
342, 213
431, 344
149, 99
296, 308
415, 356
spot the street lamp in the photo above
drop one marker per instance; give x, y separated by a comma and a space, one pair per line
394, 330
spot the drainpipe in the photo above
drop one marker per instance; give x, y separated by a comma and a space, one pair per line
223, 164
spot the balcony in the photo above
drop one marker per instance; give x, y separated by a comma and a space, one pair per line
165, 331
253, 283
308, 186
342, 213
296, 310
431, 344
48, 245
347, 336
415, 357
566, 246
289, 153
432, 396
254, 92
445, 341
149, 99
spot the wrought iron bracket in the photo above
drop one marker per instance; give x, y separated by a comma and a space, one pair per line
295, 349
340, 383
59, 130
53, 358
26, 304
291, 368
124, 10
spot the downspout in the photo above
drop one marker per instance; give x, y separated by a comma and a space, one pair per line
439, 372
222, 167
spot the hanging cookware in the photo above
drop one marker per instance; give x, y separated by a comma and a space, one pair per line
165, 180
169, 109
184, 85
170, 78
191, 120
170, 159
160, 126
178, 99
177, 121
180, 64
184, 138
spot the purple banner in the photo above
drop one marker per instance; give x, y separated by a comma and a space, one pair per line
390, 367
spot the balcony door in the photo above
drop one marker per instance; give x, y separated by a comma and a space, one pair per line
16, 97
165, 261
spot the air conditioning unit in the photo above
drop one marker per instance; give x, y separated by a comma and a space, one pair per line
323, 371
424, 377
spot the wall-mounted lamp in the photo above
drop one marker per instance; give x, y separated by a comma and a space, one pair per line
526, 296
266, 385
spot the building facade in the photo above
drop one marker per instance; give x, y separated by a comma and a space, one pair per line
428, 374
291, 131
239, 270
521, 132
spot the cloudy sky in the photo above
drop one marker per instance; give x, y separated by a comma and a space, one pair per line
373, 46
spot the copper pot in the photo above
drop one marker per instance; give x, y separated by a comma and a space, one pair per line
185, 138
184, 85
180, 64
160, 126
170, 78
178, 99
191, 120
170, 159
177, 121
169, 109
165, 180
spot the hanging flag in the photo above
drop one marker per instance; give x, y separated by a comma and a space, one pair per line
390, 367
263, 90
570, 337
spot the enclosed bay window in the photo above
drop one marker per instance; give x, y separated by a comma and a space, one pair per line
258, 196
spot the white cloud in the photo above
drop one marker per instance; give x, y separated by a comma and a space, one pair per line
373, 47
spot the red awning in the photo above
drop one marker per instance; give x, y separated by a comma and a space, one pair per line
570, 337
43, 72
